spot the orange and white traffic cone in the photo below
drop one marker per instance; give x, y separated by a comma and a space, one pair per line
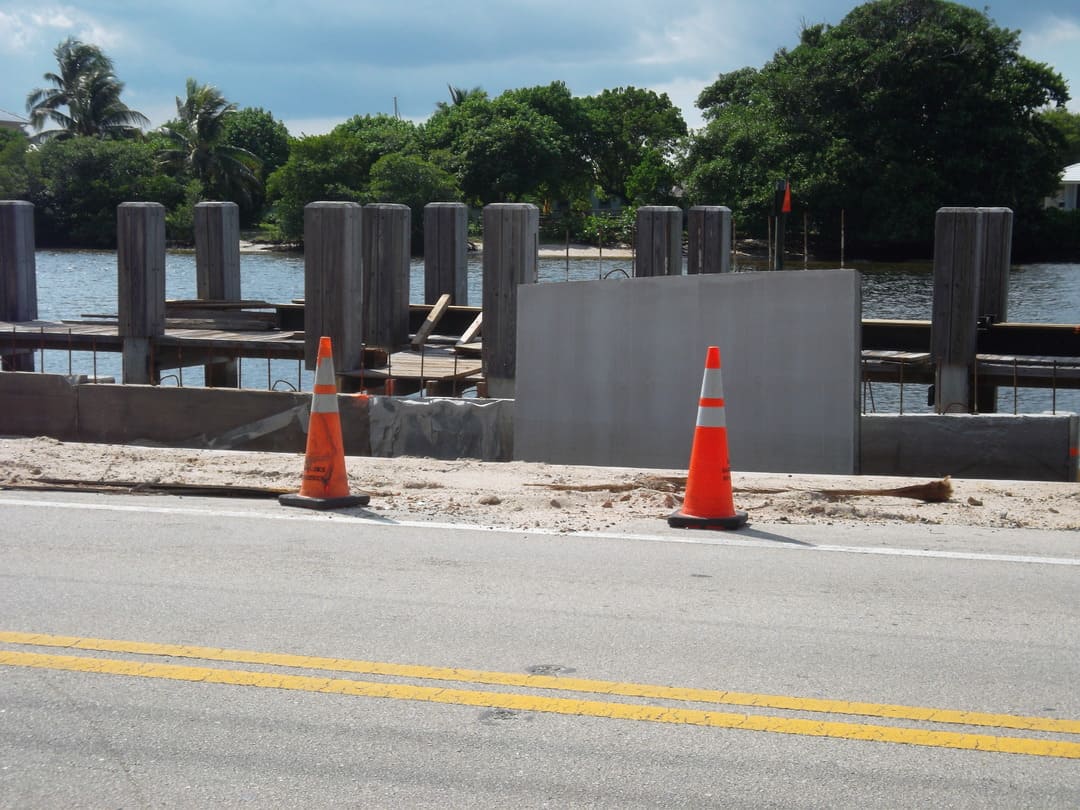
708, 503
325, 484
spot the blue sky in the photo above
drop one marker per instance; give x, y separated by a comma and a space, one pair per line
314, 63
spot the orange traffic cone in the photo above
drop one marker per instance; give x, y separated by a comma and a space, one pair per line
325, 484
708, 503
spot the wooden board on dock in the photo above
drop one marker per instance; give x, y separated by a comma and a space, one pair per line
431, 321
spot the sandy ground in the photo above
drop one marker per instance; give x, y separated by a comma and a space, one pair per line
560, 498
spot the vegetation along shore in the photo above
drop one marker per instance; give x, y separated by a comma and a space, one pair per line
902, 107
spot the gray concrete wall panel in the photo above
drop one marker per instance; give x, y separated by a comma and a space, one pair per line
38, 405
218, 418
1029, 447
610, 371
442, 428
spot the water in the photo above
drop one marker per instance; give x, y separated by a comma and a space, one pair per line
72, 284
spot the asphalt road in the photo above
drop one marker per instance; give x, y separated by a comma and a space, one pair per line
188, 652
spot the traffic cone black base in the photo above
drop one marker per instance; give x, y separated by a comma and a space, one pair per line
680, 520
303, 501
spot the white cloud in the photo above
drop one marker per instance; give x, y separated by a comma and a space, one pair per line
683, 92
15, 34
1052, 32
1055, 40
52, 18
696, 36
311, 126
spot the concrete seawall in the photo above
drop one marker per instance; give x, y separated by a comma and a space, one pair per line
1031, 447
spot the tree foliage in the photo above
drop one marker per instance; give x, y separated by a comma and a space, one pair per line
412, 181
320, 167
13, 176
903, 107
336, 166
76, 185
1067, 125
255, 130
86, 85
200, 149
627, 126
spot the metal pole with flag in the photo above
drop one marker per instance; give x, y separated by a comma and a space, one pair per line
782, 205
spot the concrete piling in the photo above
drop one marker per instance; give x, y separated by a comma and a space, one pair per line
708, 239
140, 262
217, 270
18, 274
511, 247
333, 292
385, 275
658, 242
972, 248
446, 240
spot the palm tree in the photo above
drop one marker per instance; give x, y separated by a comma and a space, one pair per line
88, 87
198, 138
459, 95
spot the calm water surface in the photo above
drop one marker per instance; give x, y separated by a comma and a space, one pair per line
73, 284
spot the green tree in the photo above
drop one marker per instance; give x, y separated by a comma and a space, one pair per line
320, 167
199, 147
626, 125
86, 85
412, 181
572, 179
76, 185
903, 107
256, 131
499, 150
1067, 125
374, 136
14, 181
459, 95
336, 166
651, 181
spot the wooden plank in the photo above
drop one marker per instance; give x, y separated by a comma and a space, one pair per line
235, 321
431, 320
198, 303
470, 333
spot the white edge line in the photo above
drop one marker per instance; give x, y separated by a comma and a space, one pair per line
689, 539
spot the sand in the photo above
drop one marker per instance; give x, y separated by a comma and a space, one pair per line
520, 495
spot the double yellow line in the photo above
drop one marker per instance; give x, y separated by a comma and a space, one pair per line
1045, 746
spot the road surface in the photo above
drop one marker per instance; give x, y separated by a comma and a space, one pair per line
181, 652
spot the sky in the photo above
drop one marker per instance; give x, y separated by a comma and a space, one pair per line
315, 63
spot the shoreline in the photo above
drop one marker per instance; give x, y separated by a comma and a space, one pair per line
545, 251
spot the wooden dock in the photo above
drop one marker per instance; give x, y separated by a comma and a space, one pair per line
193, 337
443, 357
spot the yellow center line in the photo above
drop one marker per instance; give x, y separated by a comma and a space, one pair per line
689, 695
553, 705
